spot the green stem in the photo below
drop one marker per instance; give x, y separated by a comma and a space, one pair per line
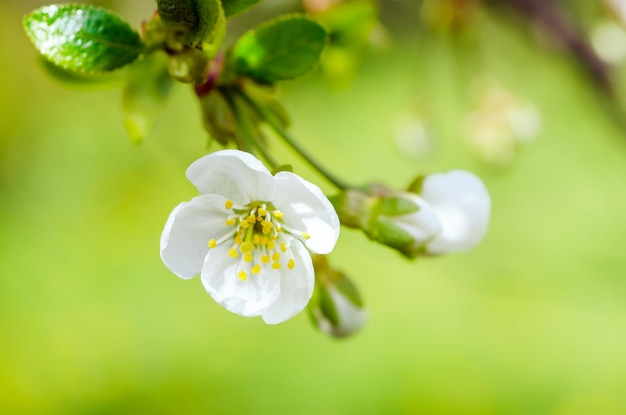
247, 136
295, 146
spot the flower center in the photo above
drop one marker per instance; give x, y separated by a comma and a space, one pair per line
259, 237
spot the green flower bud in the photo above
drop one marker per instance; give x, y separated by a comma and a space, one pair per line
336, 308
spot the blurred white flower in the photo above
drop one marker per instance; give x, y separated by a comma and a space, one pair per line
609, 42
247, 234
412, 135
499, 123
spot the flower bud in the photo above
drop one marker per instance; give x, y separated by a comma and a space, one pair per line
405, 222
463, 207
336, 307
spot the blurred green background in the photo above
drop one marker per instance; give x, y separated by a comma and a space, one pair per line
533, 321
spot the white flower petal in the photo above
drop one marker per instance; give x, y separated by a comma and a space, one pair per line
235, 174
463, 206
423, 225
184, 241
307, 209
247, 298
296, 287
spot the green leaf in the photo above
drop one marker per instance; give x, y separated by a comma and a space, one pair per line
82, 38
388, 233
417, 184
232, 7
148, 85
349, 291
284, 48
202, 20
327, 305
396, 206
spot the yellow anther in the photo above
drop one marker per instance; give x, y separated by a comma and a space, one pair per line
278, 228
238, 239
256, 239
246, 247
232, 253
283, 247
229, 204
230, 221
242, 275
263, 240
245, 224
251, 219
278, 214
262, 211
306, 236
256, 269
212, 243
265, 259
265, 230
270, 245
248, 257
276, 256
276, 265
291, 264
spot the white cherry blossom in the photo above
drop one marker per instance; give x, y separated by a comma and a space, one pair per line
249, 235
463, 207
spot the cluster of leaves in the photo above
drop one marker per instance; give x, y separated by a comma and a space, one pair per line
183, 42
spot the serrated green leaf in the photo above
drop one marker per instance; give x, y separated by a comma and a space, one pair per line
82, 37
284, 48
232, 7
148, 85
200, 19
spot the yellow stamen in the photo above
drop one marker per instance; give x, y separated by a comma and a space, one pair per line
251, 219
232, 253
242, 275
230, 221
265, 259
248, 257
278, 214
256, 269
229, 204
256, 239
276, 265
262, 211
246, 247
276, 256
238, 239
245, 224
263, 240
291, 264
283, 247
212, 243
270, 245
306, 236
